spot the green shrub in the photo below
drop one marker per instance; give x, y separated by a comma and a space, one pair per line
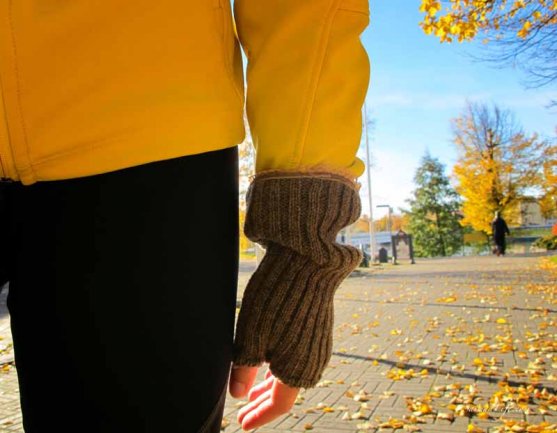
547, 242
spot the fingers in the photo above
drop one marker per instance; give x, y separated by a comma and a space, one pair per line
241, 380
273, 401
253, 405
265, 413
257, 390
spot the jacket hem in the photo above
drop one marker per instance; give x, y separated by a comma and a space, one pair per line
117, 156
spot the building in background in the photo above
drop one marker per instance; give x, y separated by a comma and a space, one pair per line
529, 214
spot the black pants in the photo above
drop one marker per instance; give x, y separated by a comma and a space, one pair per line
500, 244
122, 296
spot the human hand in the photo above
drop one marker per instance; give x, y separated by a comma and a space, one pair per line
267, 401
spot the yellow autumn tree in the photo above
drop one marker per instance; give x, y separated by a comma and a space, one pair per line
517, 32
398, 222
548, 201
497, 164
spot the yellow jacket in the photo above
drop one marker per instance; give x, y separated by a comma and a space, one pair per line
90, 87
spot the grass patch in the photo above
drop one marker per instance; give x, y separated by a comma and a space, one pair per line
526, 232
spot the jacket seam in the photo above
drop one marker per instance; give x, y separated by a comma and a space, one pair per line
8, 162
227, 65
18, 93
312, 90
78, 149
349, 9
54, 156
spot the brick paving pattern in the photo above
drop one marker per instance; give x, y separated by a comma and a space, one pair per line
446, 323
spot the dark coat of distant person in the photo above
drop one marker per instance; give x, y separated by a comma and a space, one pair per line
500, 230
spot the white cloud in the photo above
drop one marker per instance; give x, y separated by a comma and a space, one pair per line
391, 180
427, 101
530, 99
393, 99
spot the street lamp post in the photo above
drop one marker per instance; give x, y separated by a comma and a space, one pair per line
372, 240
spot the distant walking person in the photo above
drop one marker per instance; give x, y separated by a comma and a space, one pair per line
500, 229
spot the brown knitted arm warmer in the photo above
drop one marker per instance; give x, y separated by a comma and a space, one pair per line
286, 317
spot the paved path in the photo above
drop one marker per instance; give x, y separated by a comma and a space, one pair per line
420, 348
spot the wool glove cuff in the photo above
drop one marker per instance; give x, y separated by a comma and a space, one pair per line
286, 317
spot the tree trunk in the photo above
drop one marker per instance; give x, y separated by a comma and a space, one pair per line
441, 239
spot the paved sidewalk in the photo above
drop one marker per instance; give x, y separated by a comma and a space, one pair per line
446, 345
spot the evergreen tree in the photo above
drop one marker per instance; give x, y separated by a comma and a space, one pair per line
434, 211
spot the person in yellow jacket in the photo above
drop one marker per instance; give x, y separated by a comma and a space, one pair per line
119, 126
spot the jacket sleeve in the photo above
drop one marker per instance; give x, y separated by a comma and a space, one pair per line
307, 76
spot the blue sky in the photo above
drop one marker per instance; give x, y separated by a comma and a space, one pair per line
417, 85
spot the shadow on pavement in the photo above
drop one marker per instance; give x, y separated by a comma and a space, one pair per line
438, 370
430, 304
492, 277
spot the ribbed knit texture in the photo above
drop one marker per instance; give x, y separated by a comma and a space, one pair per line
286, 317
